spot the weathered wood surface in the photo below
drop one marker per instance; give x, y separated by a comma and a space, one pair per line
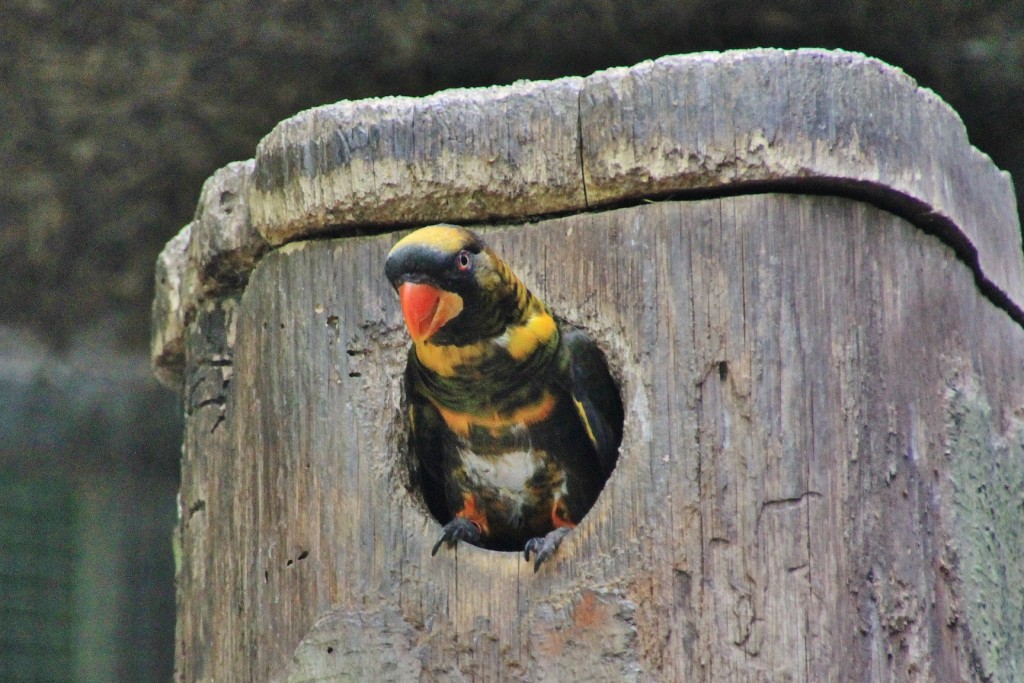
224, 246
205, 636
210, 259
736, 121
466, 154
823, 433
167, 343
823, 465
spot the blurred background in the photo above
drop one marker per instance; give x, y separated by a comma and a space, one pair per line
113, 112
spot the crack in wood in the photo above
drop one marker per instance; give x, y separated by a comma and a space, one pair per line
789, 502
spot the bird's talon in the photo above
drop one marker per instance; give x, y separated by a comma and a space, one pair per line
459, 529
533, 545
545, 546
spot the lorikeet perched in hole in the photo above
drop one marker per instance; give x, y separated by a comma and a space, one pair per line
516, 421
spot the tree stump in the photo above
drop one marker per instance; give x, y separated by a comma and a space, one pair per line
810, 288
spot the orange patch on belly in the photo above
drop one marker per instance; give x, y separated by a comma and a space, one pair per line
471, 512
560, 515
460, 422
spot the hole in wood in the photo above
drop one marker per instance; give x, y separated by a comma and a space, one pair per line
515, 420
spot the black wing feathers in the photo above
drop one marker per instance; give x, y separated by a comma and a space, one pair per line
594, 392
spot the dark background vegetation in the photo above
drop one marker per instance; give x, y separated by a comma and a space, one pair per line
113, 113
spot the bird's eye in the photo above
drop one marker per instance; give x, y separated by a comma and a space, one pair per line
464, 260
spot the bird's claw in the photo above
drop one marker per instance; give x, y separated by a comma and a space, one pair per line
459, 529
544, 546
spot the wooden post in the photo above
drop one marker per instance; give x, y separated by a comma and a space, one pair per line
810, 288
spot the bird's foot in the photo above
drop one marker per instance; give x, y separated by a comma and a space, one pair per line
459, 529
545, 546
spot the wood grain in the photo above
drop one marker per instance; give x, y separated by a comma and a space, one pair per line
209, 260
699, 125
459, 155
800, 120
823, 460
167, 329
208, 624
787, 504
740, 121
224, 246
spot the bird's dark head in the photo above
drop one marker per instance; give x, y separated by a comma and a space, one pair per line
454, 290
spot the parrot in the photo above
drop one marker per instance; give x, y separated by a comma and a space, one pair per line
515, 419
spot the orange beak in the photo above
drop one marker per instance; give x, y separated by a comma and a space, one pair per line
427, 308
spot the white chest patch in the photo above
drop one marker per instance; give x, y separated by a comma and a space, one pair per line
508, 471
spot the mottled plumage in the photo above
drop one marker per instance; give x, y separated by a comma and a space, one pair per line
515, 419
